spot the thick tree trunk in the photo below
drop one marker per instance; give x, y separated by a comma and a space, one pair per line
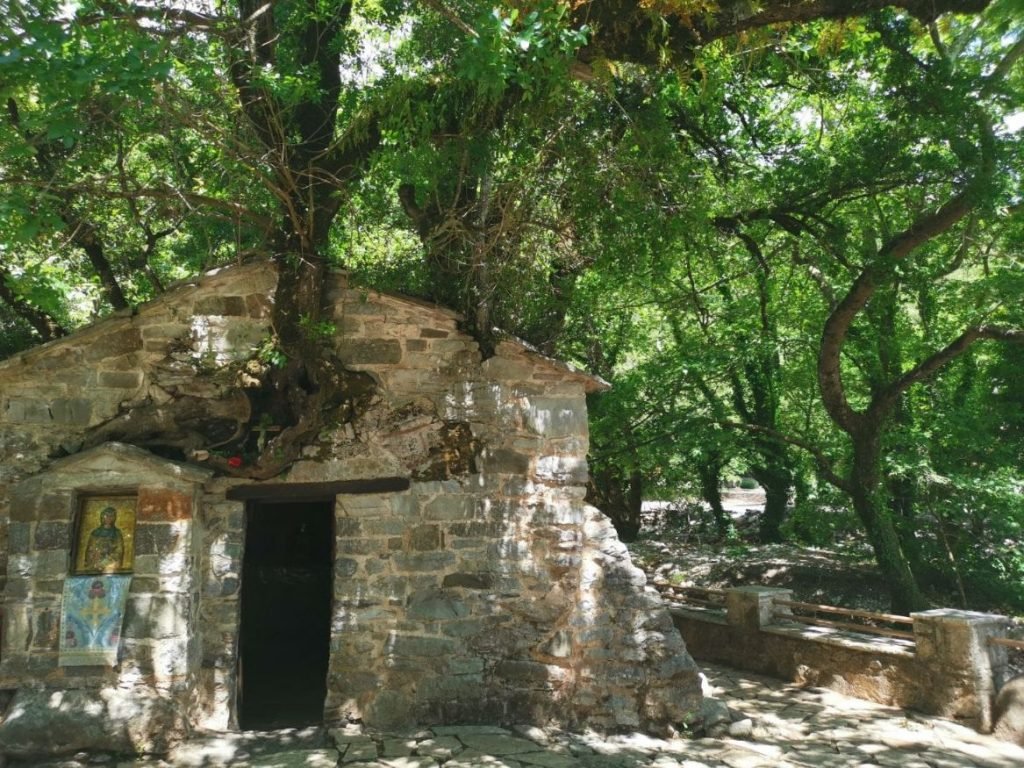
775, 475
902, 501
710, 474
777, 481
865, 492
620, 498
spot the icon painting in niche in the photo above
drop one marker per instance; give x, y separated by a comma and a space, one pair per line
106, 535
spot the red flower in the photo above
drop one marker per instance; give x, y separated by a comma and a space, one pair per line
235, 462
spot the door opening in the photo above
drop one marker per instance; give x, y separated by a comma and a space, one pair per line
284, 640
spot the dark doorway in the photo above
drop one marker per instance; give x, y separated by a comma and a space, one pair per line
286, 614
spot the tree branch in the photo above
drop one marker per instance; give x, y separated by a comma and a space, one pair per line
885, 399
1005, 65
823, 462
42, 322
925, 228
626, 31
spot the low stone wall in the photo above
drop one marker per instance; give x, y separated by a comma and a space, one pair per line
949, 669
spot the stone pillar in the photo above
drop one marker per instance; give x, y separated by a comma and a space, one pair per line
965, 670
753, 608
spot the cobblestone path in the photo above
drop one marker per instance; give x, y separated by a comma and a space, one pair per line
764, 723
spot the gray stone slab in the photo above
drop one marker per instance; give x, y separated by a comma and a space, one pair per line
299, 758
472, 758
458, 730
739, 758
549, 760
497, 744
633, 760
410, 761
360, 752
391, 747
440, 747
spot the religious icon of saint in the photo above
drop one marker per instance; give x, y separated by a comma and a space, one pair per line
105, 549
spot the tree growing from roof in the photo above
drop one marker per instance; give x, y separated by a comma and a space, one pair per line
138, 139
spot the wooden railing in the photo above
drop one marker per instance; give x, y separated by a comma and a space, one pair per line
868, 622
701, 597
1016, 645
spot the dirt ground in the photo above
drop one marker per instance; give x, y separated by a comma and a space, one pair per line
675, 546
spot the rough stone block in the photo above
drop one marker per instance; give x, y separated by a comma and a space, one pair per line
109, 720
450, 687
450, 347
423, 561
164, 332
505, 369
120, 379
158, 538
450, 507
347, 526
221, 305
58, 360
113, 344
19, 537
405, 505
423, 538
27, 411
17, 631
25, 500
468, 581
50, 535
421, 646
479, 529
157, 617
350, 546
435, 606
370, 351
71, 410
47, 564
389, 710
563, 470
164, 565
345, 567
556, 417
144, 585
243, 336
162, 505
504, 461
58, 505
258, 306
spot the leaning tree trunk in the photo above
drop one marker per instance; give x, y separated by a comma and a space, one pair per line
866, 494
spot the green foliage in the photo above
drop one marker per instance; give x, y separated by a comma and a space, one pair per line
318, 331
683, 231
269, 353
528, 49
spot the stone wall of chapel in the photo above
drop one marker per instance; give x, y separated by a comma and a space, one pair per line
486, 591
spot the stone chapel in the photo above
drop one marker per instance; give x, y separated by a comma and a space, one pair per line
429, 559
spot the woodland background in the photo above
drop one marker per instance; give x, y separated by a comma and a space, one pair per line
788, 233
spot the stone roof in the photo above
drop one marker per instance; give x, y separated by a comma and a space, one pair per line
231, 272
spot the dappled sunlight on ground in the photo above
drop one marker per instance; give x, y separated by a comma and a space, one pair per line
761, 723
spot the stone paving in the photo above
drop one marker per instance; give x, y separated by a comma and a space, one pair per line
757, 722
